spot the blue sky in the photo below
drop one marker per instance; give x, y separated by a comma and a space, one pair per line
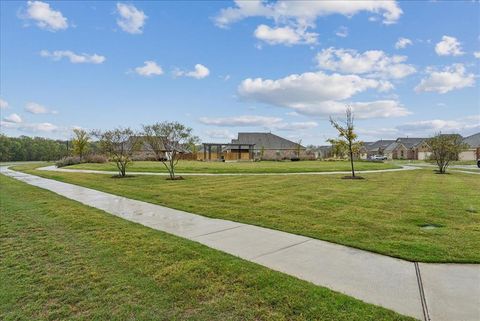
407, 68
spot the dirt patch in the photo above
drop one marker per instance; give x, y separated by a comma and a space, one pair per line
127, 176
177, 178
353, 177
430, 226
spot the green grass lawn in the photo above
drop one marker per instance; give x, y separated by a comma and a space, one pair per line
406, 162
383, 213
242, 167
61, 260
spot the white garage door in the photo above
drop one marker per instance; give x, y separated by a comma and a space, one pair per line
424, 155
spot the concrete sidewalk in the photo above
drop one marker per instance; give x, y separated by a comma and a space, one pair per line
438, 292
91, 171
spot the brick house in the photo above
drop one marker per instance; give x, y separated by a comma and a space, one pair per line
250, 146
375, 148
411, 148
401, 148
473, 151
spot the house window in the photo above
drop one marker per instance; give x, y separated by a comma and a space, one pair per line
401, 153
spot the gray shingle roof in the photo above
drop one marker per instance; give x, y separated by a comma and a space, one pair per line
391, 147
265, 140
410, 142
473, 140
379, 144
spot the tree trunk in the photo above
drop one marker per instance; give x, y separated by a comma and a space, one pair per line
351, 158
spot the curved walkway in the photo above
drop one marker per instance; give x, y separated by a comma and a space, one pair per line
437, 292
91, 171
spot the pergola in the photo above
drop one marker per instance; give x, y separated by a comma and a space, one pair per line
207, 150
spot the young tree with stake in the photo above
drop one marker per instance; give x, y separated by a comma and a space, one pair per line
347, 135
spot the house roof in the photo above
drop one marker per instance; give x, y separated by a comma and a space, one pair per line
391, 147
410, 142
383, 143
473, 140
265, 140
145, 146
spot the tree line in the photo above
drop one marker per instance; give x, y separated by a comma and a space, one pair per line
26, 148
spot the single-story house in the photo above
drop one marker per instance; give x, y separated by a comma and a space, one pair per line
473, 151
250, 146
324, 151
145, 152
375, 148
401, 148
411, 148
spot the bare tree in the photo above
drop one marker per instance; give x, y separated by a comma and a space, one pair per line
446, 148
119, 144
298, 148
80, 142
168, 140
347, 135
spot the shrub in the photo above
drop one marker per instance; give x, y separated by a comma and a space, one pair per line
69, 160
95, 158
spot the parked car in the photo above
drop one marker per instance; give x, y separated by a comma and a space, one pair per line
378, 157
478, 163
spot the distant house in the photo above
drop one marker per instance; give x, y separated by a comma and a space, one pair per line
145, 152
412, 148
249, 146
401, 148
375, 148
324, 152
473, 151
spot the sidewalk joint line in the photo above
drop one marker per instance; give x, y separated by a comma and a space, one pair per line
280, 249
423, 300
219, 231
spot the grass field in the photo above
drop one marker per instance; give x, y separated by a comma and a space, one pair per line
406, 162
242, 167
61, 260
384, 213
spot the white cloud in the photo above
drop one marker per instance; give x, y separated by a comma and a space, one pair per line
403, 43
150, 68
362, 110
320, 94
241, 121
285, 35
45, 17
450, 78
430, 127
3, 104
449, 46
35, 108
476, 54
424, 128
342, 32
131, 19
306, 12
308, 88
275, 123
13, 118
200, 72
293, 19
73, 57
39, 127
296, 125
374, 63
220, 134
